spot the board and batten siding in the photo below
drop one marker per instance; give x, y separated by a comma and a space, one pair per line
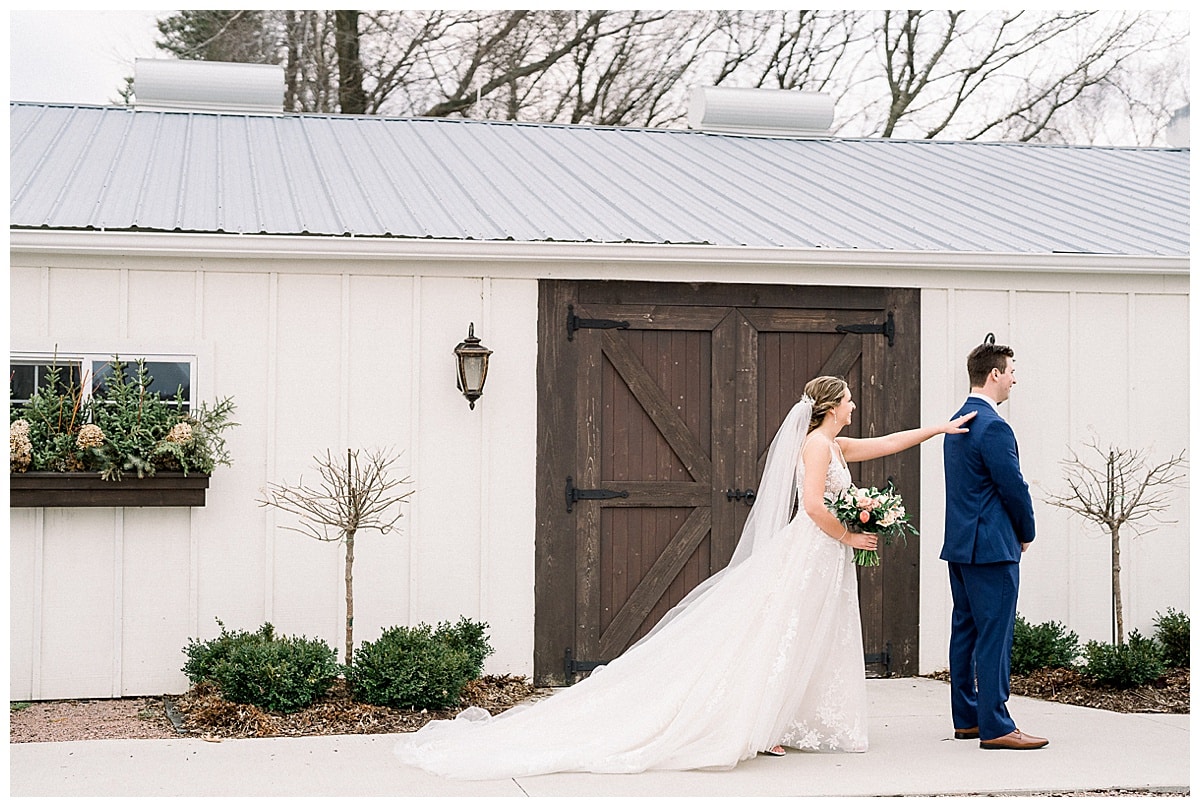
1100, 360
103, 600
322, 351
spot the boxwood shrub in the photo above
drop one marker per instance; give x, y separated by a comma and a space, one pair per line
1173, 631
1047, 645
419, 667
1138, 661
276, 673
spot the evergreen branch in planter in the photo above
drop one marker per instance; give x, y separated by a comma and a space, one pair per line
123, 427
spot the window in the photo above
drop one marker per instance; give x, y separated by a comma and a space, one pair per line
171, 374
26, 377
169, 378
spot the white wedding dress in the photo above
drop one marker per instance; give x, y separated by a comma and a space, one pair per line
769, 653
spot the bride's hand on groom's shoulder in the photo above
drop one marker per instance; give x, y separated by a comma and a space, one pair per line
956, 426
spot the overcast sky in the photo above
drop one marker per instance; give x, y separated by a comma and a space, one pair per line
84, 56
76, 56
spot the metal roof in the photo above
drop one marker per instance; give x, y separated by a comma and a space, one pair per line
113, 168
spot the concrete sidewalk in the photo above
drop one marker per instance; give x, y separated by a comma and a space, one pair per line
912, 753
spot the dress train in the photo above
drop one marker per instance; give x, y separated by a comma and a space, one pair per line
770, 654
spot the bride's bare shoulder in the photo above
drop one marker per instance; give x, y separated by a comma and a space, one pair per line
816, 447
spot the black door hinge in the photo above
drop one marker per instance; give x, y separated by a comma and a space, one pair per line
575, 323
884, 658
571, 665
574, 494
888, 329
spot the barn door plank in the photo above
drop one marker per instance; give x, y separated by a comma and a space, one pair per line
658, 494
791, 320
651, 588
587, 518
843, 357
662, 317
555, 567
746, 418
726, 364
660, 410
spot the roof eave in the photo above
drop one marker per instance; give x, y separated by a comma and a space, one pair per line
322, 248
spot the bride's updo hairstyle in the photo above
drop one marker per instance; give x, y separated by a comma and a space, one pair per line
826, 392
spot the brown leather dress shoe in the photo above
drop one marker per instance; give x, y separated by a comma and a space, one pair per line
967, 734
1015, 741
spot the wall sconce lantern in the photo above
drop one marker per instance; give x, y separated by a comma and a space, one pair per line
472, 366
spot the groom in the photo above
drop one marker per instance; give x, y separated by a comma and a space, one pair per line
989, 524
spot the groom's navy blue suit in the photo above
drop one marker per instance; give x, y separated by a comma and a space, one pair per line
989, 514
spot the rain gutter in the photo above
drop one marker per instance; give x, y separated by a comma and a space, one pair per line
561, 259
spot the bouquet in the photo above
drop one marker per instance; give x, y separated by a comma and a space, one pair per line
871, 510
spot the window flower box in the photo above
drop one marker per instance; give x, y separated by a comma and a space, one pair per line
50, 489
113, 444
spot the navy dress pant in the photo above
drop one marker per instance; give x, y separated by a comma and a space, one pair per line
981, 633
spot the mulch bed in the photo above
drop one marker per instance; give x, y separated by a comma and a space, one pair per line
203, 712
1170, 694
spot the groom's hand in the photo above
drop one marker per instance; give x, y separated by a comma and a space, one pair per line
1024, 547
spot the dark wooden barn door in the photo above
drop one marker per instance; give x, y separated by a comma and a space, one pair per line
657, 403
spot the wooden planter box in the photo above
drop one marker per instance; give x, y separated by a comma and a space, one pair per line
43, 489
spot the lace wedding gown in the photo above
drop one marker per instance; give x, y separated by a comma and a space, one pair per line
770, 654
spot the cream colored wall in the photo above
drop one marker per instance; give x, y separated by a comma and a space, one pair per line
322, 351
1097, 358
104, 599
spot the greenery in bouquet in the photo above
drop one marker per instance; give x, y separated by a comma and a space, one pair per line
875, 511
122, 427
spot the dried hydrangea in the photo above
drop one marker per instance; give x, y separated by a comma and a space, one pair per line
20, 448
180, 433
90, 436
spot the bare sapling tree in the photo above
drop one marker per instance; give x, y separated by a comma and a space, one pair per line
355, 496
1122, 489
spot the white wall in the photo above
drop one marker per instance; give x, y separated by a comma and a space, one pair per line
1108, 363
323, 351
103, 600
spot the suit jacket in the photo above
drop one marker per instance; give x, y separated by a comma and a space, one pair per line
989, 512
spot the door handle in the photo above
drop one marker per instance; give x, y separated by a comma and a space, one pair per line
740, 495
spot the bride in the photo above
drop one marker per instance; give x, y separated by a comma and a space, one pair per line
765, 653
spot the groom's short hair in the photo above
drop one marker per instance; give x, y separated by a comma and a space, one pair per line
983, 359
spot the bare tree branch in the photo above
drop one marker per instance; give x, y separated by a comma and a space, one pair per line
1121, 490
350, 497
1026, 75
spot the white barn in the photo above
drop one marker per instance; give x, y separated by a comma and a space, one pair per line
321, 269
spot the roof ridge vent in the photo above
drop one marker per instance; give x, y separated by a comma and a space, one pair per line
1179, 128
191, 85
738, 110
